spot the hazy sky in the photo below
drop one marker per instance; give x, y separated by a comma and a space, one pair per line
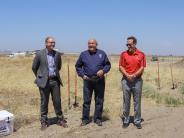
157, 24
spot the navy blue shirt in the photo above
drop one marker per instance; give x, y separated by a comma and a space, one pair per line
90, 63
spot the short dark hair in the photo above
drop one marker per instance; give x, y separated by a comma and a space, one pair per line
133, 38
47, 38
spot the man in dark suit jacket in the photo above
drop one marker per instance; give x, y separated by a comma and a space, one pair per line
46, 67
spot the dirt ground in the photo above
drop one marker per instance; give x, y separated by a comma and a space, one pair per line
20, 96
159, 122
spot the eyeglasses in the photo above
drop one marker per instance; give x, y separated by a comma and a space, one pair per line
51, 42
91, 43
129, 44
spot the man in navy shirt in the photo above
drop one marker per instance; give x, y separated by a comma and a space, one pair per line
91, 66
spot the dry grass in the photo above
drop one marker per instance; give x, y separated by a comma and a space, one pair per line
20, 95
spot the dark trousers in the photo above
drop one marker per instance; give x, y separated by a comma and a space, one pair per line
52, 87
98, 87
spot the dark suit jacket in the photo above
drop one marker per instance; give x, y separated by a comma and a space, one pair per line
40, 67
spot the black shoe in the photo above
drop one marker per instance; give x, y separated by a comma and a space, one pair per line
98, 122
84, 122
138, 126
44, 125
62, 123
125, 125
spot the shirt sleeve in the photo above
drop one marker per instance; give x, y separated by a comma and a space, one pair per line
122, 60
79, 66
107, 64
143, 63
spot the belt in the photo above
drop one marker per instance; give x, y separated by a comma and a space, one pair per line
137, 78
52, 78
93, 78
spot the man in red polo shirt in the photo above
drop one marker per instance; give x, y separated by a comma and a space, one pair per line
131, 65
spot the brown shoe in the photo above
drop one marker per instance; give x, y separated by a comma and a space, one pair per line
62, 123
44, 125
138, 126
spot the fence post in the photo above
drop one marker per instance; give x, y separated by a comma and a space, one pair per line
158, 73
171, 68
68, 69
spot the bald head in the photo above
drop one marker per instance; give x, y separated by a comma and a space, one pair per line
49, 37
92, 45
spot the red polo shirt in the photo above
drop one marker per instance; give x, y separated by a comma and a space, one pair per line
132, 62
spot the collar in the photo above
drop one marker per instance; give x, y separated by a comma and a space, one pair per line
49, 52
93, 53
135, 52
